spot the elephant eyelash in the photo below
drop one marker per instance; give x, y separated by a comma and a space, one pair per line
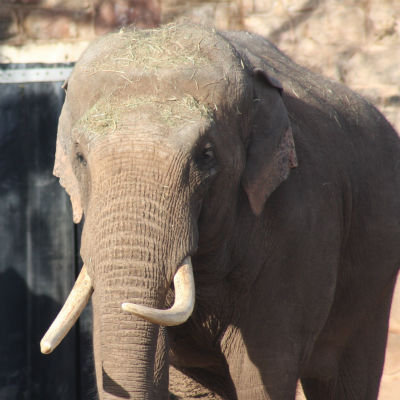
82, 160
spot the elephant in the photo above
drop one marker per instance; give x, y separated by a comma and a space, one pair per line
241, 219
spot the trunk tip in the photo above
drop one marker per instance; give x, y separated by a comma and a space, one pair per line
45, 347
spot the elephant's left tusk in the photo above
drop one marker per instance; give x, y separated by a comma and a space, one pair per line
184, 300
72, 309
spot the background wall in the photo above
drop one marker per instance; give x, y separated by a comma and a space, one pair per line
355, 42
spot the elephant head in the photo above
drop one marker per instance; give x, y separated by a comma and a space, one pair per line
161, 133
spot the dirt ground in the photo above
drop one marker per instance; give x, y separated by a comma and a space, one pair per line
390, 384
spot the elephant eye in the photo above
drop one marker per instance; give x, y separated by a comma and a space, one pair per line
207, 154
81, 158
206, 160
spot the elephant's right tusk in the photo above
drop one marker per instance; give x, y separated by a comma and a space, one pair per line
184, 300
72, 309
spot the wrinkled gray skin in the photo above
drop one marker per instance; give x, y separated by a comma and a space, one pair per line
179, 142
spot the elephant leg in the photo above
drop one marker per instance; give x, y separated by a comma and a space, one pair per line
357, 378
257, 374
317, 389
182, 387
360, 366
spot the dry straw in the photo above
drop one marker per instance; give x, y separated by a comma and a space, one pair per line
148, 51
106, 116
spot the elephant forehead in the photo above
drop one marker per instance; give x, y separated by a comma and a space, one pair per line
148, 51
144, 51
116, 114
175, 59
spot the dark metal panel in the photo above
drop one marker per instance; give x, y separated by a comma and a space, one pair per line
86, 380
37, 250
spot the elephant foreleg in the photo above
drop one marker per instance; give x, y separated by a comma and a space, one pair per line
360, 365
255, 374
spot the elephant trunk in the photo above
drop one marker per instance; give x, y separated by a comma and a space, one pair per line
137, 234
130, 360
125, 346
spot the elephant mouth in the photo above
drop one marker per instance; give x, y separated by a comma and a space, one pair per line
81, 292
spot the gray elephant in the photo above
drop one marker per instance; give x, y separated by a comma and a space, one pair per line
209, 161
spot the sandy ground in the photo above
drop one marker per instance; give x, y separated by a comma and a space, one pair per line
390, 385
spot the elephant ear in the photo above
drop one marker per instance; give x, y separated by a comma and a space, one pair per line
271, 151
63, 170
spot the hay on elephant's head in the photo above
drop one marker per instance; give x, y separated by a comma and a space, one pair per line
108, 114
148, 51
153, 57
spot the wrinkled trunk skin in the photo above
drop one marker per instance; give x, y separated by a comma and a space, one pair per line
124, 355
130, 253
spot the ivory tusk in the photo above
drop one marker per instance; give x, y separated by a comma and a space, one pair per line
183, 305
72, 309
